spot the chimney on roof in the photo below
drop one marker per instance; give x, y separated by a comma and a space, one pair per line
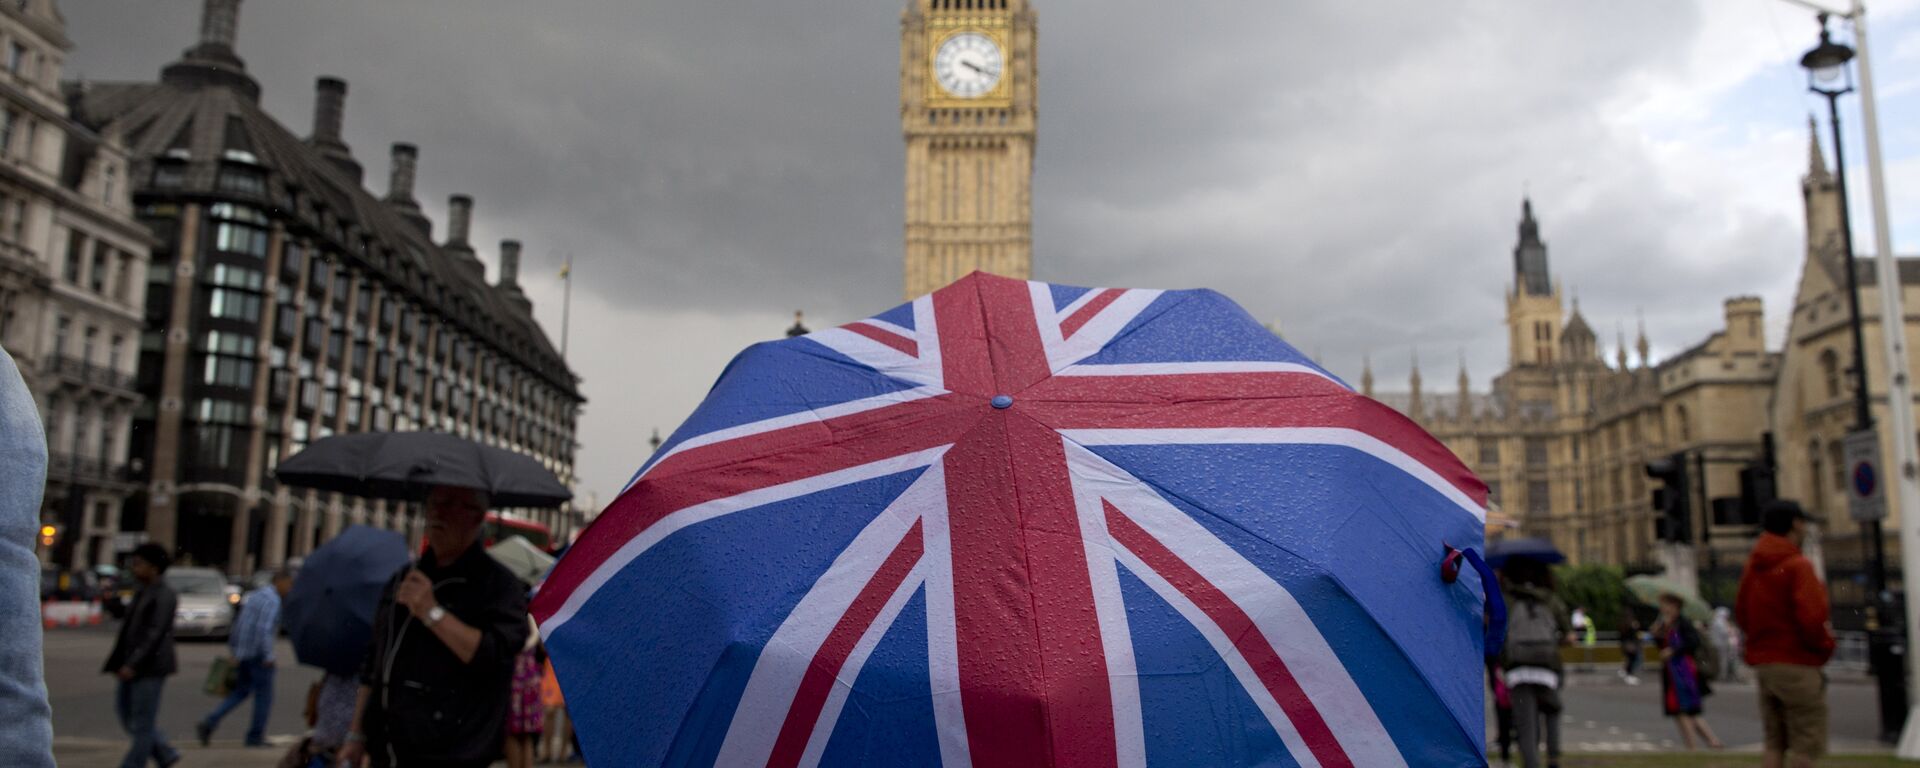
459, 219
329, 114
509, 283
510, 265
459, 226
400, 177
329, 110
400, 187
219, 23
212, 60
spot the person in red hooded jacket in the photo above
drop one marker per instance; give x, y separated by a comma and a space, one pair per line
1782, 608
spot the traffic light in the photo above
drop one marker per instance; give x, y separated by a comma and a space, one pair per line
49, 535
1670, 500
1756, 491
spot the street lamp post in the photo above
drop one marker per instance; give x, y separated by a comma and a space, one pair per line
1829, 76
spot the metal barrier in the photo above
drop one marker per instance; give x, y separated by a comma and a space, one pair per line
1849, 654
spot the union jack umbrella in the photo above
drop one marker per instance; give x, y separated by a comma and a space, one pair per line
1020, 524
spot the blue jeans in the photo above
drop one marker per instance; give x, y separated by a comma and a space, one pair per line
137, 701
256, 680
26, 724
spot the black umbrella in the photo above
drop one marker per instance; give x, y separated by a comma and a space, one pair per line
403, 465
329, 613
1531, 548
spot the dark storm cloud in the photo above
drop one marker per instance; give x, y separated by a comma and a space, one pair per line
1351, 171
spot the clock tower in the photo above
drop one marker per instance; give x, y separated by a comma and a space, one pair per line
967, 87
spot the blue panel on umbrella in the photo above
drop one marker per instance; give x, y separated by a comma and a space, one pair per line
888, 719
1195, 712
774, 379
901, 315
1066, 294
1315, 532
653, 634
1191, 326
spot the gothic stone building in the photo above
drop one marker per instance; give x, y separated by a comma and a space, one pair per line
1812, 405
286, 303
1563, 436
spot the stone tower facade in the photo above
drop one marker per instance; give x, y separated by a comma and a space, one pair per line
1534, 309
967, 109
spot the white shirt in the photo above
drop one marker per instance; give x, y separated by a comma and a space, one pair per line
1533, 676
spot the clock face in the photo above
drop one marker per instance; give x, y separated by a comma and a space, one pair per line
968, 65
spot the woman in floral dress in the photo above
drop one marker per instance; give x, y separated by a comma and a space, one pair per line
524, 713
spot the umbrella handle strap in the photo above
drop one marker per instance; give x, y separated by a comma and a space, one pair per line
1496, 632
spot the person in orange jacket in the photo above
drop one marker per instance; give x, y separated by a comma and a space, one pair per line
1782, 609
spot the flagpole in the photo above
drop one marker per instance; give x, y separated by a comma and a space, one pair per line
566, 303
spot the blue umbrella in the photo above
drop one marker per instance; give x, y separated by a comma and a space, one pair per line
1530, 548
329, 613
1015, 523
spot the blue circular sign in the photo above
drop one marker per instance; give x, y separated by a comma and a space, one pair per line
1864, 481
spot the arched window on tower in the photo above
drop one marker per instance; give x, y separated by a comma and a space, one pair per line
1830, 372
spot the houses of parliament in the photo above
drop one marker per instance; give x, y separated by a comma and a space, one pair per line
1563, 435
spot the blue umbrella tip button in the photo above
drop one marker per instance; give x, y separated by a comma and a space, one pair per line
1003, 401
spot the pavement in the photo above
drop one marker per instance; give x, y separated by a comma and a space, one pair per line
1606, 715
87, 734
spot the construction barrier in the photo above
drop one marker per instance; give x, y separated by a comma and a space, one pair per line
70, 613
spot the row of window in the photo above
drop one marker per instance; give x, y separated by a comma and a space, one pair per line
94, 434
63, 346
95, 263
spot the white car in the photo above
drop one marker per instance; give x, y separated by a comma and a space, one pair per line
206, 603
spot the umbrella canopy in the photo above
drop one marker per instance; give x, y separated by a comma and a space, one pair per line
403, 465
1648, 589
520, 556
1531, 548
329, 613
1014, 523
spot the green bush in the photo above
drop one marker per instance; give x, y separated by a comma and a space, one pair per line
1601, 589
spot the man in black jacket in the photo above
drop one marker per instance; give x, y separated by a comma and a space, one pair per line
434, 689
142, 658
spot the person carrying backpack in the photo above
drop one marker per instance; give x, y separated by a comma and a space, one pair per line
1537, 627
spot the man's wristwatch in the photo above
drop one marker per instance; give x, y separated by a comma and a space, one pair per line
435, 614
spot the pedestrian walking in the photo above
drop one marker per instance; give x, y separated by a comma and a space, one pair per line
434, 689
142, 659
252, 640
26, 722
1683, 684
1630, 648
557, 731
1726, 637
525, 715
1537, 628
1782, 610
1502, 710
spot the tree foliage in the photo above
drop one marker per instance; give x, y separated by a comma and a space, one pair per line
1601, 589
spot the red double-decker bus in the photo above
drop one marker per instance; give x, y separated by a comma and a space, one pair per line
498, 528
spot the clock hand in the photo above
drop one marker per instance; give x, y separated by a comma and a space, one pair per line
974, 67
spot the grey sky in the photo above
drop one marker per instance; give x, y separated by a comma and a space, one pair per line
1350, 171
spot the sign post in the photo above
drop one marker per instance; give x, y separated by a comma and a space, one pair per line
1865, 502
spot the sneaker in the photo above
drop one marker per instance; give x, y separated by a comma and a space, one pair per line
1633, 680
204, 732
